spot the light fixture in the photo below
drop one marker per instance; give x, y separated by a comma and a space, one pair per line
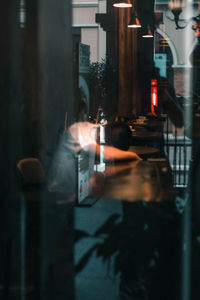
134, 21
176, 7
122, 3
147, 32
176, 4
154, 95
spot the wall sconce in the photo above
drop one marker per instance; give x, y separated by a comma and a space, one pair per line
122, 3
134, 21
176, 7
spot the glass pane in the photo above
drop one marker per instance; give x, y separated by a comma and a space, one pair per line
100, 150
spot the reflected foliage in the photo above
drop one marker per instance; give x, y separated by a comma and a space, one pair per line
145, 247
102, 82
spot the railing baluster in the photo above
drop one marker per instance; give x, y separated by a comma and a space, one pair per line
179, 164
175, 156
185, 159
167, 136
177, 150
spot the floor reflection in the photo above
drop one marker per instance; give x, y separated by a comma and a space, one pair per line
139, 242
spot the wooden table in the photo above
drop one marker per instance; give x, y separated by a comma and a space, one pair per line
143, 137
145, 134
151, 124
144, 151
146, 231
136, 181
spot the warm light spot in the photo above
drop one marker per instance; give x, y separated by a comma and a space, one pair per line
147, 36
175, 5
122, 5
154, 99
134, 26
147, 192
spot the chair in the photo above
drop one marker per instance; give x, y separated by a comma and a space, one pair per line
31, 172
31, 175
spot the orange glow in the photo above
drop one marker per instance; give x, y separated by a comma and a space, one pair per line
154, 95
134, 22
148, 33
196, 28
176, 5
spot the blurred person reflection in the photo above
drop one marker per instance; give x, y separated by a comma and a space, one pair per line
119, 135
81, 137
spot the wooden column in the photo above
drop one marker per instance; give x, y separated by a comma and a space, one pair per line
128, 101
145, 10
132, 55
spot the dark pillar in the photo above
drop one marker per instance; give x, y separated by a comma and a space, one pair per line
132, 55
109, 23
47, 74
145, 53
129, 95
47, 103
36, 91
195, 60
10, 131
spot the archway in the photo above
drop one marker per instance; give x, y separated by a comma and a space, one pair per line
165, 57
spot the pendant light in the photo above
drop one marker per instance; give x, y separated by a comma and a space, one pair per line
122, 3
134, 21
147, 32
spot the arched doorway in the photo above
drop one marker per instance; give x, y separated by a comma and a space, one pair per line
164, 56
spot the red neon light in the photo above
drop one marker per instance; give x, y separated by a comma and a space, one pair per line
196, 28
154, 95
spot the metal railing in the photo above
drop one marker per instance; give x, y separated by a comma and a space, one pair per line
177, 147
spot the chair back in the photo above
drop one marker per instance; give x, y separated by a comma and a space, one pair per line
31, 171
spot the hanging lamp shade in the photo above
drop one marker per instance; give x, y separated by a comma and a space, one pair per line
134, 21
147, 32
122, 3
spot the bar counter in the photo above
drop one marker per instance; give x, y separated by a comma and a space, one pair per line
149, 180
144, 240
